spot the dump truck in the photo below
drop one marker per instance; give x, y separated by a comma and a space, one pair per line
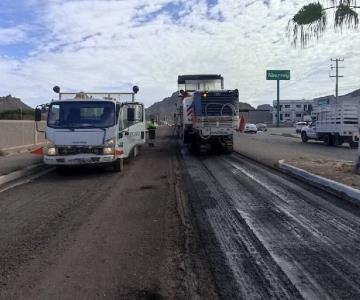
89, 128
209, 114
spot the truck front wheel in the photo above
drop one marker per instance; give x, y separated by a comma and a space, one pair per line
304, 137
118, 165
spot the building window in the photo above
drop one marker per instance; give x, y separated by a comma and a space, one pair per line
287, 106
298, 105
298, 115
287, 115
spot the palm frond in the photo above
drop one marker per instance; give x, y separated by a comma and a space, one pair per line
310, 22
345, 15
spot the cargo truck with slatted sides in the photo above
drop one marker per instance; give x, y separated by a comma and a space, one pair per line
336, 121
209, 114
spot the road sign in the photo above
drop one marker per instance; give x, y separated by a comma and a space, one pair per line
278, 75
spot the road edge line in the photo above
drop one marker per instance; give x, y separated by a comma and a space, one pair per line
4, 179
337, 187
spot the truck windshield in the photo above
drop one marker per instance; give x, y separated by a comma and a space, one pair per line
81, 114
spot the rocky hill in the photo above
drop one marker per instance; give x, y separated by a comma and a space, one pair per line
9, 103
164, 109
12, 108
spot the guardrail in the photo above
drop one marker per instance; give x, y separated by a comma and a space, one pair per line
15, 133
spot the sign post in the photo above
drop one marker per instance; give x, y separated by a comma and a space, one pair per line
278, 75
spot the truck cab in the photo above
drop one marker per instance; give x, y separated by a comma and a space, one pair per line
92, 128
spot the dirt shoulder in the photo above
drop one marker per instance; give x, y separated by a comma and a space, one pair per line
337, 170
93, 234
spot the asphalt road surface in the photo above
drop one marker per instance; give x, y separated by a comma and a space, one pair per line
177, 226
94, 234
271, 237
269, 149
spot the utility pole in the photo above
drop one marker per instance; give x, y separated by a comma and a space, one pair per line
337, 76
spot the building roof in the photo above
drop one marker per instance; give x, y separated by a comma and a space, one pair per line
355, 93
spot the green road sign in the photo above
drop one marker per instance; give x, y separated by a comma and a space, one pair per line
278, 75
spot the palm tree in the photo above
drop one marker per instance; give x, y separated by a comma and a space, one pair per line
311, 20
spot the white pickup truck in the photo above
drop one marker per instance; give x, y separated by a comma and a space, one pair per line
337, 122
92, 128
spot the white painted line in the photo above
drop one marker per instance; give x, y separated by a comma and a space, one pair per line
17, 174
26, 180
327, 183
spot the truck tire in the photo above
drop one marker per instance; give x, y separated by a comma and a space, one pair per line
354, 145
304, 137
186, 137
118, 165
228, 147
327, 138
60, 170
337, 140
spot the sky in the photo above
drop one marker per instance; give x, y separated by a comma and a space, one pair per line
111, 45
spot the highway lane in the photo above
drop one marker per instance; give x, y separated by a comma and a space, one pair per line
279, 238
92, 234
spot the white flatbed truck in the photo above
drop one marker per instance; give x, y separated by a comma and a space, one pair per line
336, 121
92, 129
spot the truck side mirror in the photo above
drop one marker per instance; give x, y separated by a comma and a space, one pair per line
37, 115
117, 112
131, 114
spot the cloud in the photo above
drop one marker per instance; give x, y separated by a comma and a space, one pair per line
99, 45
12, 35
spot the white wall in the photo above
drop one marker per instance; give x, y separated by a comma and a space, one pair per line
15, 133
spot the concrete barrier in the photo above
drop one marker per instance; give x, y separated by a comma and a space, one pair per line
15, 133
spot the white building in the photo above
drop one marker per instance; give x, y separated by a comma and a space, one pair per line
292, 111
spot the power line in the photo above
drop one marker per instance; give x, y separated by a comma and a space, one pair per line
337, 76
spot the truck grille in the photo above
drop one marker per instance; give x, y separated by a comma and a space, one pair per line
78, 150
221, 122
218, 104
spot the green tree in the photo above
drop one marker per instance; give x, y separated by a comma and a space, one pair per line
311, 20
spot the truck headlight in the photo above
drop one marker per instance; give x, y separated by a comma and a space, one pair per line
110, 142
108, 150
51, 151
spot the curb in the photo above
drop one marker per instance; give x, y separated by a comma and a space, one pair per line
335, 186
4, 179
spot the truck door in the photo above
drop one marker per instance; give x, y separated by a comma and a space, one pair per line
131, 126
311, 132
